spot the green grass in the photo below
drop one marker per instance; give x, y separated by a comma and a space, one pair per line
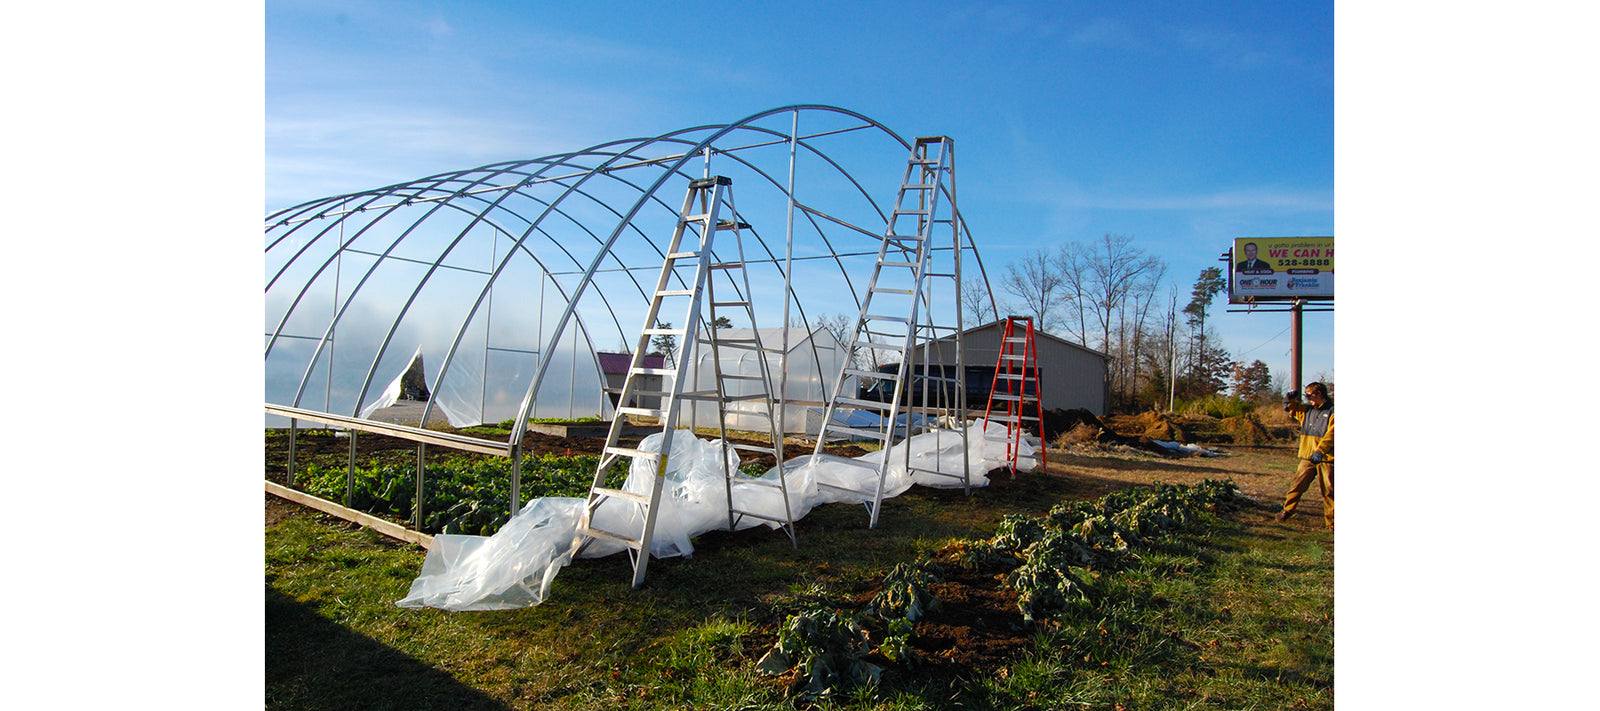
1233, 614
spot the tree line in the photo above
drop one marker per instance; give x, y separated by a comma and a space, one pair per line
1104, 294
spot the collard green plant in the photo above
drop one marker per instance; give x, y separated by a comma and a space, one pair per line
828, 647
905, 593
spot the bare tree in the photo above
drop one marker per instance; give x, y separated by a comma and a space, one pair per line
977, 303
1033, 279
1072, 264
1116, 269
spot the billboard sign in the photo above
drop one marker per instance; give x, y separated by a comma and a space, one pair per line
1280, 269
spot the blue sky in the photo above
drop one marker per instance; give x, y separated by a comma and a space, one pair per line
1182, 126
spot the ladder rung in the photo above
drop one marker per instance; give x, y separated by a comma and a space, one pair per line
742, 377
1012, 376
642, 393
720, 304
885, 263
1007, 356
911, 212
726, 265
653, 371
683, 255
641, 411
752, 448
753, 514
696, 218
861, 404
701, 396
917, 186
673, 292
620, 494
881, 290
869, 373
1003, 397
874, 434
878, 346
937, 274
630, 452
744, 398
607, 535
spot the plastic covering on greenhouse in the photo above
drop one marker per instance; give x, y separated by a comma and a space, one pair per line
515, 566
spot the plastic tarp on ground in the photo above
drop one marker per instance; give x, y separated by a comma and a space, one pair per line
514, 567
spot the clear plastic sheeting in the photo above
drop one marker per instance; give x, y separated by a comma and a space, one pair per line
511, 569
514, 567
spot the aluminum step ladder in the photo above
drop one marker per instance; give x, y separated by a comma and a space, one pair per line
897, 316
701, 215
1014, 398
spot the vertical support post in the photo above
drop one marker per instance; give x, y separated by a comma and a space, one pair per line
350, 474
1294, 343
292, 429
516, 475
416, 508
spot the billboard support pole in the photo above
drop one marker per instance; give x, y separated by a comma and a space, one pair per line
1294, 345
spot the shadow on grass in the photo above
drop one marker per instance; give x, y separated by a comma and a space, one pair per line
314, 663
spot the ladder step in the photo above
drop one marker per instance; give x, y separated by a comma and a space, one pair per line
701, 396
1011, 376
683, 255
881, 290
607, 535
917, 186
630, 452
753, 514
696, 218
673, 292
601, 491
879, 346
720, 304
760, 449
869, 374
861, 404
641, 411
885, 263
653, 371
1007, 356
873, 434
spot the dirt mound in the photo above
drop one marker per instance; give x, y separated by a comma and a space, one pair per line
1058, 422
1163, 427
1246, 430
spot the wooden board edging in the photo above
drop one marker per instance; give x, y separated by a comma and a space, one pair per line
387, 528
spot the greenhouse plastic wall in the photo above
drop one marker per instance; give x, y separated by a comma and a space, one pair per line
510, 276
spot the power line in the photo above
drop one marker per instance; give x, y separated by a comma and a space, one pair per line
1269, 340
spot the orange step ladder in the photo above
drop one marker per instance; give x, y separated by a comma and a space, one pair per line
1015, 392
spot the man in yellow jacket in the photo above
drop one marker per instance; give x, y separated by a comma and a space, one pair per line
1316, 449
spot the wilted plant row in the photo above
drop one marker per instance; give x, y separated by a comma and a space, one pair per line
1053, 562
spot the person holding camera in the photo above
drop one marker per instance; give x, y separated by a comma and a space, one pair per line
1316, 449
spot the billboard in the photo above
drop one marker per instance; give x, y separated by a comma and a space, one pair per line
1280, 269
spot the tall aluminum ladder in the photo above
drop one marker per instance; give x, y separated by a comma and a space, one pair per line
702, 206
1016, 386
897, 316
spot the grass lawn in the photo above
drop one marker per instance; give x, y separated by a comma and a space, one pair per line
1233, 613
